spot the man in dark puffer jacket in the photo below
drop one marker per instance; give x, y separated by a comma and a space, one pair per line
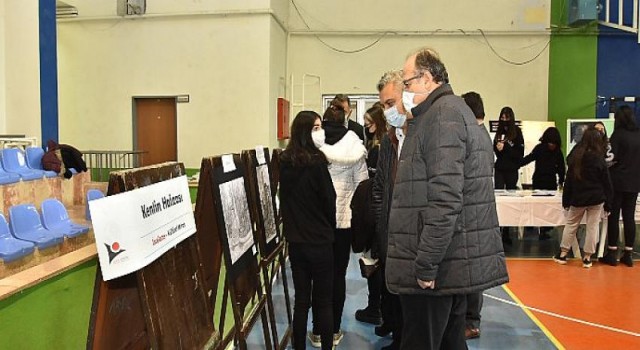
444, 241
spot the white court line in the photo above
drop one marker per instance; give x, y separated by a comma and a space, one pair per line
563, 317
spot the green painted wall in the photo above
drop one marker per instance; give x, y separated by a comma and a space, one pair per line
572, 70
52, 315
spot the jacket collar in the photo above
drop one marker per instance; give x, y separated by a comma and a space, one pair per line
333, 131
423, 107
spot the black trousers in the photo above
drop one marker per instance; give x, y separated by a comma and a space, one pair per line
341, 253
474, 306
505, 179
391, 310
432, 322
625, 201
312, 272
374, 284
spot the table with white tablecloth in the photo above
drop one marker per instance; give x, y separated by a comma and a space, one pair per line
521, 208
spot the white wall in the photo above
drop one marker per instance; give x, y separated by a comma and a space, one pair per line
21, 82
516, 29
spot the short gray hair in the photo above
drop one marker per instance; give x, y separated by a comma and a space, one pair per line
392, 76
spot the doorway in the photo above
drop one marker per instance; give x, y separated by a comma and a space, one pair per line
155, 129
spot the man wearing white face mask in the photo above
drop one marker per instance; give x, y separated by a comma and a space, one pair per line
390, 93
444, 240
345, 102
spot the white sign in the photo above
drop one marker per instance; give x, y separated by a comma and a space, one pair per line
260, 155
135, 228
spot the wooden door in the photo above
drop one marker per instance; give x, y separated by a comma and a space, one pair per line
156, 129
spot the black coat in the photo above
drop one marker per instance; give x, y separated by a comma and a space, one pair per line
382, 191
357, 128
625, 172
307, 203
593, 188
548, 164
510, 157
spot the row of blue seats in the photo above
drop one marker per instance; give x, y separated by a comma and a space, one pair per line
16, 166
29, 229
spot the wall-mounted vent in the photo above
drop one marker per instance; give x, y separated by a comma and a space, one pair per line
64, 10
131, 7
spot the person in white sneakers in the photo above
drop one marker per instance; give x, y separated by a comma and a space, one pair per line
347, 166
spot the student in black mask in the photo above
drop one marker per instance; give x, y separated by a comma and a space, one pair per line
508, 146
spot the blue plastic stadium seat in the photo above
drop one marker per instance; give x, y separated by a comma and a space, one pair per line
8, 178
26, 225
56, 218
91, 195
13, 161
11, 248
34, 161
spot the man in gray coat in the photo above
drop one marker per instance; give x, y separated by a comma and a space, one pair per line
444, 239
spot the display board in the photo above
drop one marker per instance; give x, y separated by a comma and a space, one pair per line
270, 242
161, 306
229, 193
576, 127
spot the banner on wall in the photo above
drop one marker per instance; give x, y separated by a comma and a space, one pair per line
132, 229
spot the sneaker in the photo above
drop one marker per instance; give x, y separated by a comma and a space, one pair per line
626, 258
382, 331
610, 258
369, 315
337, 338
471, 333
562, 260
315, 340
586, 263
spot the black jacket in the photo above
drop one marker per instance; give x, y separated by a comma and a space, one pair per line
548, 164
307, 203
510, 157
625, 171
357, 128
382, 191
443, 223
593, 188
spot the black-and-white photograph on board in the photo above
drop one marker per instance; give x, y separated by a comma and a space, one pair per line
237, 219
266, 203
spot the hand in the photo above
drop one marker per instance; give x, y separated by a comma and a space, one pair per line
426, 284
500, 146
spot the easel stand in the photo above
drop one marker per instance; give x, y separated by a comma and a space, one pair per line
161, 306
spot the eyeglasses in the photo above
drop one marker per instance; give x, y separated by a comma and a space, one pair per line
407, 81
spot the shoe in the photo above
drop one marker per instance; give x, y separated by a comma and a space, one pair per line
337, 338
626, 258
586, 263
383, 330
369, 315
610, 258
562, 260
392, 346
315, 340
471, 333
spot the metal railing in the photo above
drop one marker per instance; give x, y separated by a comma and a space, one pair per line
101, 163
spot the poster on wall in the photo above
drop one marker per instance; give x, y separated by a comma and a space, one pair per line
577, 127
236, 218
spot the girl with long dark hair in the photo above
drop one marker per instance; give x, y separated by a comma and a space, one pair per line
625, 146
308, 206
587, 190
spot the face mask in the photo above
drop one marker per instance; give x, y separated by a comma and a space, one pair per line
318, 137
407, 100
394, 118
369, 134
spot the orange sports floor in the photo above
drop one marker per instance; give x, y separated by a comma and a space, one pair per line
596, 308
